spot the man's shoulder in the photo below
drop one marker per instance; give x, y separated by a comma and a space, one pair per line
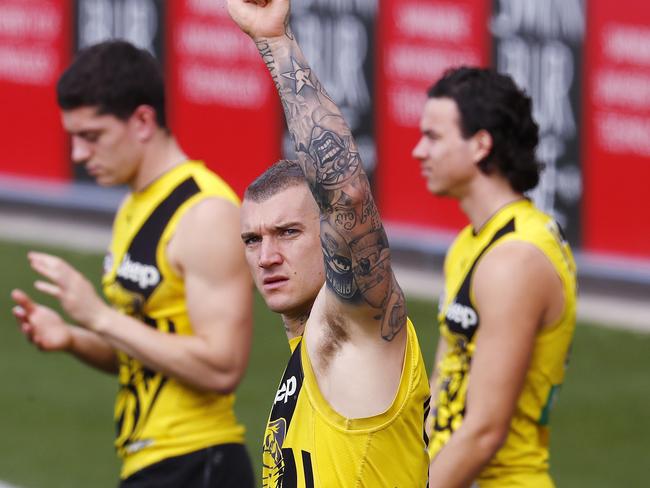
210, 183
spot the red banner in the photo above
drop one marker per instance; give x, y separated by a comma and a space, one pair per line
616, 133
34, 49
223, 106
419, 40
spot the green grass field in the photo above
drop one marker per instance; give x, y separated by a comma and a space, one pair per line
56, 414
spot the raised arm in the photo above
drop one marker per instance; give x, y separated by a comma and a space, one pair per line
355, 248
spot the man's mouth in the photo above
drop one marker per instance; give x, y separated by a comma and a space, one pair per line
274, 281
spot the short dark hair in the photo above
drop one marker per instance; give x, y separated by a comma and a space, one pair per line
491, 101
282, 175
116, 77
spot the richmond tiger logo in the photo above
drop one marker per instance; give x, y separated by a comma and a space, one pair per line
272, 458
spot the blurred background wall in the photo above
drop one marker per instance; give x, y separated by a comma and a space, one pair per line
586, 64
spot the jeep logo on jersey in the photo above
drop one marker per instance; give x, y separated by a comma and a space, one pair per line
287, 389
108, 262
145, 275
462, 314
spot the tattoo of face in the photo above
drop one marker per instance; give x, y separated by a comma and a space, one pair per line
334, 162
338, 262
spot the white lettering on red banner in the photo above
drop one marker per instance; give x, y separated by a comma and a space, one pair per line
28, 31
621, 90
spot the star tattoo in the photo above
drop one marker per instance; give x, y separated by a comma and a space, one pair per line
300, 75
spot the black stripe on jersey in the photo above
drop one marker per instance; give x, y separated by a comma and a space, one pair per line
286, 397
149, 321
140, 422
309, 471
142, 250
427, 409
462, 301
290, 472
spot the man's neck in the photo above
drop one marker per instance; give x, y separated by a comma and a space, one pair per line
294, 324
485, 200
162, 154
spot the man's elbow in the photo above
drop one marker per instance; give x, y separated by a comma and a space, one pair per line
223, 382
489, 439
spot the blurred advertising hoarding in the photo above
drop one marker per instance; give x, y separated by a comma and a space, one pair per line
34, 48
586, 65
222, 103
418, 41
540, 45
616, 138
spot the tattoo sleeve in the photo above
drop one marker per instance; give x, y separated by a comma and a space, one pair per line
355, 247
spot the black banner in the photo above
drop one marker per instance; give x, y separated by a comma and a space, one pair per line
338, 40
540, 44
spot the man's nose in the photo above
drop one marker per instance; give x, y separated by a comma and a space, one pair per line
80, 150
269, 254
418, 151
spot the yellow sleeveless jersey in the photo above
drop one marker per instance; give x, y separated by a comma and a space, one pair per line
524, 456
156, 416
307, 444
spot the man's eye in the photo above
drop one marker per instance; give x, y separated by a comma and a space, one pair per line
90, 136
289, 232
251, 240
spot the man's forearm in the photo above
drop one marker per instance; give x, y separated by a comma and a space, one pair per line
453, 467
92, 350
323, 141
189, 359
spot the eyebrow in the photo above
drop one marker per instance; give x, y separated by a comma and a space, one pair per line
86, 132
288, 225
277, 227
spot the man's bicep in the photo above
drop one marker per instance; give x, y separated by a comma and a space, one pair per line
217, 283
510, 298
357, 259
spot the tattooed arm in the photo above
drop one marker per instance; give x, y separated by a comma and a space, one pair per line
357, 257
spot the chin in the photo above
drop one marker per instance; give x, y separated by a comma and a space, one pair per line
286, 306
107, 181
276, 304
437, 190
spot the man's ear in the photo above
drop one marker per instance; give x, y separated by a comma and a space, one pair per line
482, 145
143, 120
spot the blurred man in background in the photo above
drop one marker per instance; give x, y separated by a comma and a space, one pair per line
350, 408
178, 333
507, 315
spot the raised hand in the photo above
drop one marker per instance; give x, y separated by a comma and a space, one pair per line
261, 18
75, 293
40, 324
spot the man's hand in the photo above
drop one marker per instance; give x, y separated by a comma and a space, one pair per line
40, 324
75, 293
261, 18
